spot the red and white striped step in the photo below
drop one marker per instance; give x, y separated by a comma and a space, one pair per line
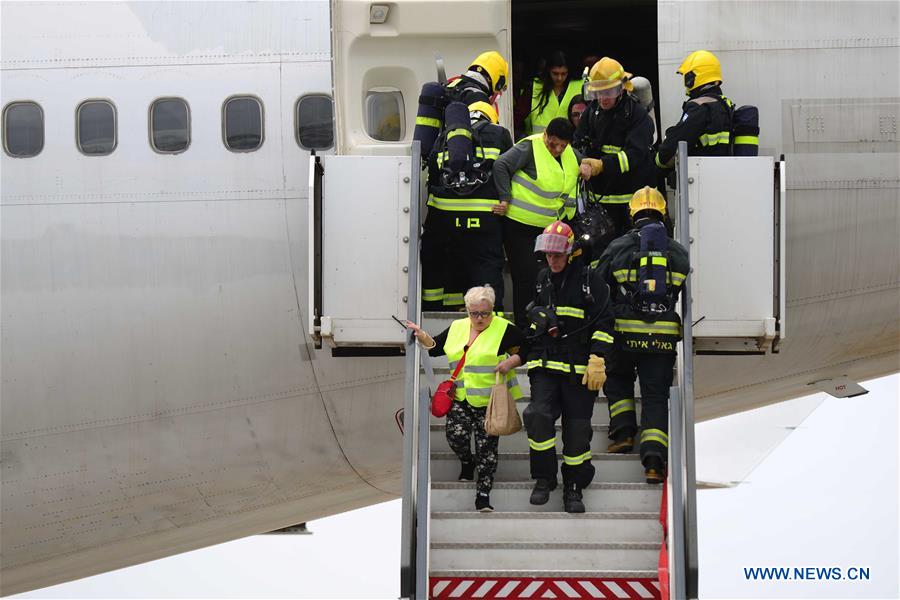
537, 588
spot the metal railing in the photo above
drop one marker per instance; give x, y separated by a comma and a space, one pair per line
682, 473
416, 441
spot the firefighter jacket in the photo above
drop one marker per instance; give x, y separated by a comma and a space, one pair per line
540, 189
537, 120
489, 141
580, 300
634, 330
705, 125
473, 384
622, 137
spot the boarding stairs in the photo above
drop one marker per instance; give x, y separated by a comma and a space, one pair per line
526, 551
632, 532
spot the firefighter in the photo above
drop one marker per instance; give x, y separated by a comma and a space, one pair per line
486, 76
705, 123
570, 333
536, 183
616, 134
645, 270
462, 243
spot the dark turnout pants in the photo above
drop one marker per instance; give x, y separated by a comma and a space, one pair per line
459, 251
524, 264
476, 253
654, 371
554, 395
435, 255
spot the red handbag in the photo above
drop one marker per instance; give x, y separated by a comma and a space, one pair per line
443, 396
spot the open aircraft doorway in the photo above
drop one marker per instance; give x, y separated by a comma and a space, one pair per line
585, 32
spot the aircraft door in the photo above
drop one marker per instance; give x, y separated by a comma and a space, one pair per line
384, 52
366, 201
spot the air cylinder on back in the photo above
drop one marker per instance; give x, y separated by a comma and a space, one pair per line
459, 136
428, 117
745, 131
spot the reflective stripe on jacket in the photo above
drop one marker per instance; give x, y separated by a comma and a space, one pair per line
621, 137
636, 331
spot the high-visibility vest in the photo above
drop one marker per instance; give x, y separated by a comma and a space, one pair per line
539, 202
537, 122
477, 376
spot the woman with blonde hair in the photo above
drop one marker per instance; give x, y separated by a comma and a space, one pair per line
491, 344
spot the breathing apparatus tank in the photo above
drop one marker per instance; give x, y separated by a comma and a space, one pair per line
460, 150
429, 117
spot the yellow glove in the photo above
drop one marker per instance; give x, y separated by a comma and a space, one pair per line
595, 375
596, 165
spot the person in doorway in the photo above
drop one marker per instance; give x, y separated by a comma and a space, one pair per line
646, 271
536, 183
486, 77
571, 332
576, 110
616, 135
491, 344
705, 123
550, 95
462, 242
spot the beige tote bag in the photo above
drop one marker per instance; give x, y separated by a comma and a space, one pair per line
501, 417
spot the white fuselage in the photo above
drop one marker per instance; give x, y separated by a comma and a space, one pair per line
159, 392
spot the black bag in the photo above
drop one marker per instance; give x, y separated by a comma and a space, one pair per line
594, 228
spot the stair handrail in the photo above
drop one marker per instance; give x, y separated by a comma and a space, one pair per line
416, 450
682, 480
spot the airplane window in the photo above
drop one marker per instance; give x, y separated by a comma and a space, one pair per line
384, 114
242, 124
23, 129
96, 127
170, 130
315, 122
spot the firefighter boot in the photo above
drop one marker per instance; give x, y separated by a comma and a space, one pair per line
467, 472
541, 492
654, 471
622, 443
572, 498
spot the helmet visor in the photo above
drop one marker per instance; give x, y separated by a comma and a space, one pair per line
553, 243
595, 90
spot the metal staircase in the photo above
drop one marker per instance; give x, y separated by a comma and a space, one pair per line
610, 551
635, 540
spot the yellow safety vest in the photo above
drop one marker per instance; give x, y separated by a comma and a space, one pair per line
537, 122
477, 375
539, 202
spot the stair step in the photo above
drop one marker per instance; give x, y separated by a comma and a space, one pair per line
549, 555
512, 496
515, 466
473, 526
519, 440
